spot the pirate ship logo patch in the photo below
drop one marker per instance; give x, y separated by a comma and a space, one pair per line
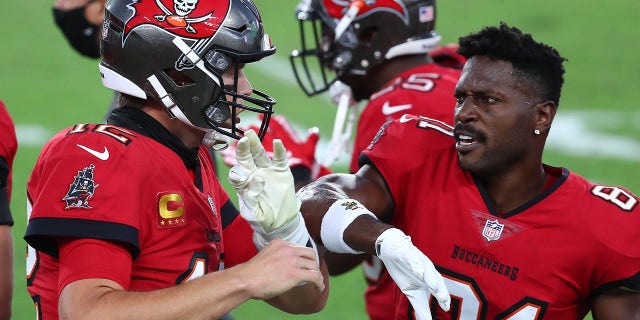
81, 189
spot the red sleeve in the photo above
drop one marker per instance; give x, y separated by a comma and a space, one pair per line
8, 144
238, 242
90, 258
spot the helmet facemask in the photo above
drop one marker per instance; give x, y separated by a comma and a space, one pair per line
220, 114
310, 62
352, 37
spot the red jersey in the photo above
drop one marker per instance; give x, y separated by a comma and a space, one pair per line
425, 90
8, 145
543, 260
110, 183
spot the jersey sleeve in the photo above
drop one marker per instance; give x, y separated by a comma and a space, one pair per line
88, 258
82, 186
8, 148
8, 140
405, 145
238, 241
613, 218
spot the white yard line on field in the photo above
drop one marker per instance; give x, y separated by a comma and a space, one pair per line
581, 133
575, 133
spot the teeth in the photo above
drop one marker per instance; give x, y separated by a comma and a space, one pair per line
463, 137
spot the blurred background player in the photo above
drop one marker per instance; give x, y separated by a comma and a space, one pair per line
388, 54
80, 22
8, 148
128, 220
384, 52
513, 237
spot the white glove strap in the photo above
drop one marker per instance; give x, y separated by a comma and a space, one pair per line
395, 239
295, 231
339, 216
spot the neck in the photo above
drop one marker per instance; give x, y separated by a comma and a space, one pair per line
190, 136
512, 190
392, 68
364, 86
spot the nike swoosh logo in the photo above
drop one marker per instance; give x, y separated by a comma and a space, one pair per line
104, 155
387, 109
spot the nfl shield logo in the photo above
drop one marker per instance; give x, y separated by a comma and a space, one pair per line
492, 230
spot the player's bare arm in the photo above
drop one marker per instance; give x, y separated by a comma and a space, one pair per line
367, 187
276, 269
336, 217
616, 304
6, 265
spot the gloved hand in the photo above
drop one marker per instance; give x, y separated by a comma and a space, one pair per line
265, 186
412, 271
301, 152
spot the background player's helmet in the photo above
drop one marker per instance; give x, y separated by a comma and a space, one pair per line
175, 51
353, 36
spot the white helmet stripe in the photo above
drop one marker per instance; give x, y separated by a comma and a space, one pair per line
194, 58
117, 82
413, 47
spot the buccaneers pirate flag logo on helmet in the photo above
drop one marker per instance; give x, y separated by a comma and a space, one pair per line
186, 18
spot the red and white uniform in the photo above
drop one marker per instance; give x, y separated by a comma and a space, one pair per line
109, 183
426, 90
543, 260
8, 148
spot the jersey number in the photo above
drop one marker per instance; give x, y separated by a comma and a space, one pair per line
468, 302
197, 268
617, 196
120, 134
421, 81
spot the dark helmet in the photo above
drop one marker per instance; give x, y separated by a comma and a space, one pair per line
349, 37
176, 51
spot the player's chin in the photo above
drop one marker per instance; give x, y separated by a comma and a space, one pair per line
468, 162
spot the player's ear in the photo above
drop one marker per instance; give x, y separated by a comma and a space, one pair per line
544, 114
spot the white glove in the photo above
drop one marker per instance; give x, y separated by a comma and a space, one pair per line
341, 93
265, 187
412, 271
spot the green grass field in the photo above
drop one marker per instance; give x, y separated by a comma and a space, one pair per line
47, 87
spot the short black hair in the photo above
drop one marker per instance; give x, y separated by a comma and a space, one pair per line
536, 61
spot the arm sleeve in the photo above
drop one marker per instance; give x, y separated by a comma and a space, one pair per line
90, 258
238, 242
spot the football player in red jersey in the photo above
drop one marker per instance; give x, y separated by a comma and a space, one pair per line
381, 51
512, 237
127, 219
387, 54
8, 148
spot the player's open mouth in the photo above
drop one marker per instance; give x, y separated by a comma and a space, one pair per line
465, 143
